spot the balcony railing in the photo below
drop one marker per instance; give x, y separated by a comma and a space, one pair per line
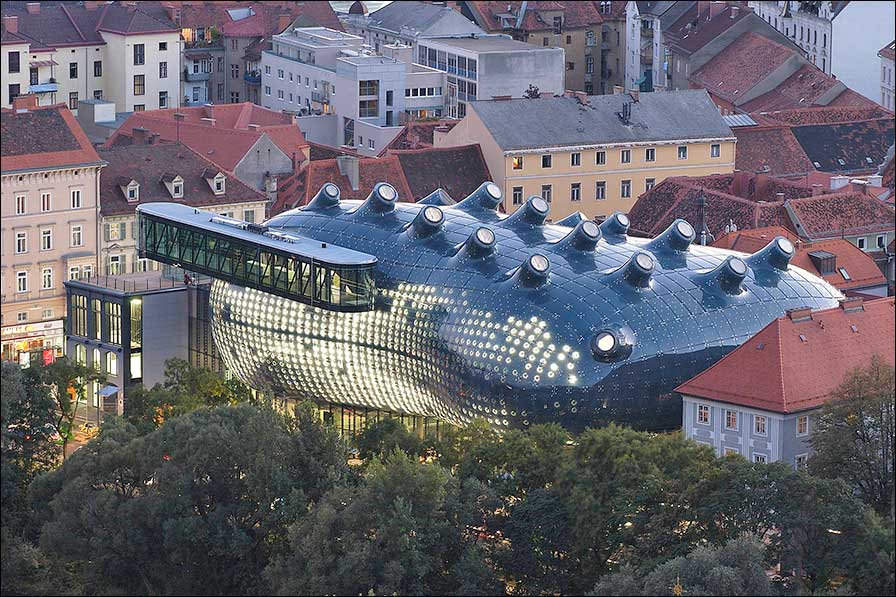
253, 77
44, 88
191, 76
320, 97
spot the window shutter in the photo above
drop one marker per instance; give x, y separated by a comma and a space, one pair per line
124, 264
122, 230
134, 229
106, 232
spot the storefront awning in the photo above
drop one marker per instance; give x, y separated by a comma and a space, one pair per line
108, 390
40, 63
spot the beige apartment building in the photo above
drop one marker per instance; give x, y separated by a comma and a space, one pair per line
49, 183
595, 154
125, 52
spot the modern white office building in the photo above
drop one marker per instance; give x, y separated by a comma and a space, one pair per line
345, 95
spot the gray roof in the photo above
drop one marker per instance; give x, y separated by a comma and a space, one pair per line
565, 122
488, 43
739, 120
301, 246
422, 18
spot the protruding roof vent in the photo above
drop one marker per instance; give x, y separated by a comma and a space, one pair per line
572, 220
611, 345
326, 197
728, 276
533, 212
437, 197
584, 237
616, 225
637, 271
480, 244
487, 197
380, 200
429, 220
677, 237
534, 271
776, 254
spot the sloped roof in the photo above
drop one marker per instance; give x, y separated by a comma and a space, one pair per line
821, 115
576, 15
689, 40
205, 13
792, 366
800, 90
846, 147
43, 137
774, 150
415, 135
421, 17
144, 163
457, 170
565, 121
834, 215
888, 51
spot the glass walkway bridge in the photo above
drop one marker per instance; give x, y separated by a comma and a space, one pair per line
256, 256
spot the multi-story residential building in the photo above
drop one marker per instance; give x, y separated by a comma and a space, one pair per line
616, 36
647, 60
887, 56
361, 99
595, 154
257, 145
127, 52
406, 23
139, 173
574, 26
838, 37
50, 179
490, 66
762, 399
223, 42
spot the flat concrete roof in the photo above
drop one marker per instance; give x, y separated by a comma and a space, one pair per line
484, 44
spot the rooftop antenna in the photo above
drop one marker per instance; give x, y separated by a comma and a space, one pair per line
705, 234
178, 116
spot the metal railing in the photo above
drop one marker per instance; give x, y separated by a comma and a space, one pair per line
151, 282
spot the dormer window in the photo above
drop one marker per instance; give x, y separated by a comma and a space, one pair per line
177, 190
134, 192
174, 184
219, 184
130, 188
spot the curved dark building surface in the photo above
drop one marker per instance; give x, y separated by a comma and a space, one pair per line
508, 318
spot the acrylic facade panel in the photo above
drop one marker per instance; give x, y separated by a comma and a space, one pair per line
510, 319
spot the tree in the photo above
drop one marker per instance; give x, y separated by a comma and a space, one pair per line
403, 531
387, 435
197, 506
853, 437
870, 565
736, 568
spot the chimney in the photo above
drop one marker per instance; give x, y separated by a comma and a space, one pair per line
11, 23
800, 314
130, 6
851, 304
779, 196
173, 14
702, 8
582, 97
253, 127
24, 102
33, 8
876, 180
760, 187
859, 186
735, 11
635, 94
618, 89
740, 184
90, 4
817, 189
154, 139
140, 135
210, 121
717, 8
350, 167
838, 182
283, 21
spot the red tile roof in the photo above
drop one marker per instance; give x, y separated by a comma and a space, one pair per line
773, 150
838, 214
228, 140
43, 138
689, 40
792, 366
576, 15
457, 170
146, 163
821, 115
415, 135
888, 51
200, 13
744, 63
863, 271
851, 99
800, 90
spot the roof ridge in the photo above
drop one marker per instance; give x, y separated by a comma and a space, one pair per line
72, 21
782, 386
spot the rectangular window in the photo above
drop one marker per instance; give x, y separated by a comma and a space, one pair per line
163, 45
21, 317
546, 161
280, 94
249, 215
139, 107
139, 54
113, 267
76, 198
113, 321
625, 189
683, 152
389, 97
517, 162
625, 156
72, 70
730, 451
760, 458
21, 242
74, 272
111, 363
97, 310
802, 425
715, 150
703, 414
14, 62
759, 425
267, 90
369, 87
575, 191
163, 70
600, 158
97, 68
280, 73
575, 159
234, 71
731, 420
14, 90
21, 281
46, 278
860, 243
45, 202
517, 195
650, 154
371, 144
73, 100
163, 100
649, 183
20, 205
601, 190
801, 461
881, 241
546, 192
139, 84
368, 108
97, 94
220, 92
46, 240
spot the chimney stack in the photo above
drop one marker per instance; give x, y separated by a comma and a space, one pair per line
350, 167
283, 21
800, 314
817, 190
702, 8
90, 5
735, 11
859, 186
582, 97
779, 196
876, 180
33, 8
24, 102
717, 8
852, 303
635, 94
11, 23
140, 135
838, 182
618, 89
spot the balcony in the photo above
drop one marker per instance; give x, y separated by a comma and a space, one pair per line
252, 77
216, 43
50, 87
193, 77
320, 97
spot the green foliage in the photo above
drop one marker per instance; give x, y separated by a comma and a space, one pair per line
383, 437
194, 507
401, 531
871, 567
853, 437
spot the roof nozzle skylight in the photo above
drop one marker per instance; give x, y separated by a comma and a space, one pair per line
428, 221
481, 243
534, 271
533, 212
487, 197
638, 270
326, 197
729, 275
776, 254
616, 225
677, 237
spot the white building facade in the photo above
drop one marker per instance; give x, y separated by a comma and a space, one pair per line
887, 77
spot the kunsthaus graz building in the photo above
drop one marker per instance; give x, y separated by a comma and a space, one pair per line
460, 312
